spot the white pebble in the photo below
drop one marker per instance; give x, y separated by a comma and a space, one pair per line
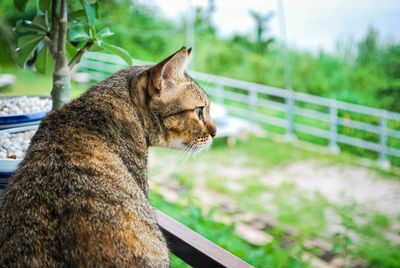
15, 144
23, 105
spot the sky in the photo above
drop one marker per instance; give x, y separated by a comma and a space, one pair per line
310, 24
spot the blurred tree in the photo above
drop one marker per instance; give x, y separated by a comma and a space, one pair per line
368, 47
203, 18
352, 73
262, 21
146, 33
390, 61
62, 32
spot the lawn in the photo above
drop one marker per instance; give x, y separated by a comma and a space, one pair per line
29, 82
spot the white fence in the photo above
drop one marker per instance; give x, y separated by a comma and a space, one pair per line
294, 113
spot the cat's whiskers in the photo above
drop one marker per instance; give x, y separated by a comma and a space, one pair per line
182, 153
188, 151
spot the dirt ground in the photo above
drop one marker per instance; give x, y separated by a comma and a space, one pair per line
338, 183
341, 184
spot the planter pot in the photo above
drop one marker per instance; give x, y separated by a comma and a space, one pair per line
9, 165
17, 120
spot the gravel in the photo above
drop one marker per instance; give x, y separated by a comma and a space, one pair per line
14, 145
23, 105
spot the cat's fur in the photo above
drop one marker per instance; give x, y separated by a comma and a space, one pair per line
79, 198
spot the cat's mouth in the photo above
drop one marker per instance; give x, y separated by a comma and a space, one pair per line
201, 144
205, 145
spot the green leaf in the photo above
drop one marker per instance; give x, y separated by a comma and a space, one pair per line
21, 4
77, 34
28, 26
44, 5
104, 33
99, 42
29, 46
23, 26
44, 62
41, 23
76, 23
76, 14
119, 52
24, 40
71, 51
90, 2
90, 12
96, 7
96, 47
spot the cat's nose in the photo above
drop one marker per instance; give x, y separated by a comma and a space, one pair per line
213, 131
211, 128
213, 134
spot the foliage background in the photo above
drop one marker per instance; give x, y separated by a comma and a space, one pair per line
366, 71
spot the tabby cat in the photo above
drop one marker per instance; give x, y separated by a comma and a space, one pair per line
79, 198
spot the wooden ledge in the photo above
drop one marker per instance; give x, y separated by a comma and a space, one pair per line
193, 248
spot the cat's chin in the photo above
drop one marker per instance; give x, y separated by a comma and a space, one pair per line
178, 144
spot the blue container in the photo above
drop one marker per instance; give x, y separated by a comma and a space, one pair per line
9, 166
19, 120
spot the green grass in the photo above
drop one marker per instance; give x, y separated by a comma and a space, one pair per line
29, 82
270, 255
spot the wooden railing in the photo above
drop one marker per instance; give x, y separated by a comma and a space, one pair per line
193, 248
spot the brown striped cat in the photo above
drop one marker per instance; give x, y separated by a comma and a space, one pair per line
79, 198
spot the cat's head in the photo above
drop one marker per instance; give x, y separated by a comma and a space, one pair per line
181, 105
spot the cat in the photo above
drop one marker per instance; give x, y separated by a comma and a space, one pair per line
79, 197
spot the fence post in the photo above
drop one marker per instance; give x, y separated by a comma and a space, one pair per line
383, 160
290, 135
333, 117
219, 94
253, 104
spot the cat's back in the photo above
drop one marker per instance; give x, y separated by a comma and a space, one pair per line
75, 200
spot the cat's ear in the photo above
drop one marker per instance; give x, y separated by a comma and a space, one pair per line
171, 68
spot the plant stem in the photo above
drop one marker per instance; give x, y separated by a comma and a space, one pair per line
49, 43
54, 27
79, 55
62, 75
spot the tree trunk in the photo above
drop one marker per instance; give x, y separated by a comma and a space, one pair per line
62, 73
61, 87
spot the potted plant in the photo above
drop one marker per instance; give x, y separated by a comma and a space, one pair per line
60, 37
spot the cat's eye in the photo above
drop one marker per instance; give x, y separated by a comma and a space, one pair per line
199, 112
